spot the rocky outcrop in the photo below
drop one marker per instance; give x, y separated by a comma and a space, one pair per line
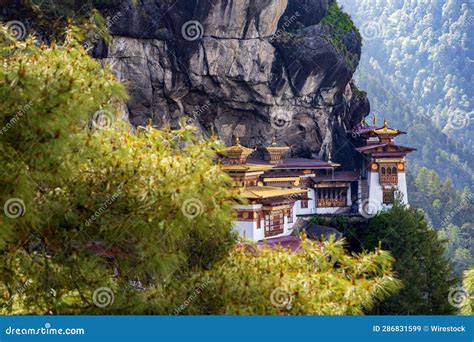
249, 67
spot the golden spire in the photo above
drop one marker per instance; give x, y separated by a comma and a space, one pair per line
237, 140
274, 142
375, 120
385, 123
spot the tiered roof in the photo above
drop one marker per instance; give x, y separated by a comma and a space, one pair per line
385, 147
364, 130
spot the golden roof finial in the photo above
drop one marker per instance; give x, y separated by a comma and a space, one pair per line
274, 139
385, 123
237, 140
375, 120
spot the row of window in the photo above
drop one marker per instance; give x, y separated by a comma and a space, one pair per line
389, 170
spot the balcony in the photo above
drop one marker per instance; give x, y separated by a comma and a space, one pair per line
331, 202
388, 179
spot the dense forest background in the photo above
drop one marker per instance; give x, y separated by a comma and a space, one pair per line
416, 67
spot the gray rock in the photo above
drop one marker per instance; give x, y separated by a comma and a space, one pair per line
241, 68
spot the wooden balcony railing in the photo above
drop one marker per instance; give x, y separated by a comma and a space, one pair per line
388, 179
331, 202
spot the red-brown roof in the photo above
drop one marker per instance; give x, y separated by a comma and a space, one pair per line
289, 241
365, 149
339, 176
304, 163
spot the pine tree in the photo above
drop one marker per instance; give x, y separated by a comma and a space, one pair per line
467, 307
420, 262
87, 203
320, 279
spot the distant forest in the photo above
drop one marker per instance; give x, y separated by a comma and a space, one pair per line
416, 67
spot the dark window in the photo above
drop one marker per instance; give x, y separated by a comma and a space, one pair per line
267, 223
290, 215
304, 204
388, 196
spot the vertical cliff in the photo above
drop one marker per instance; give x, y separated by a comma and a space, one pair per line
249, 67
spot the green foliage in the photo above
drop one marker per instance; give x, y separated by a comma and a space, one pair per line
154, 201
321, 279
468, 285
450, 211
420, 262
340, 21
52, 17
340, 24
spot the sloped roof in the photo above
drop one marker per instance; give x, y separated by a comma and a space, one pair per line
338, 176
315, 231
260, 192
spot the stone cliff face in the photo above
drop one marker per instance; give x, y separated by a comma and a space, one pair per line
249, 67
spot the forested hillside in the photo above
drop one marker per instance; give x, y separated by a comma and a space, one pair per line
423, 51
416, 66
